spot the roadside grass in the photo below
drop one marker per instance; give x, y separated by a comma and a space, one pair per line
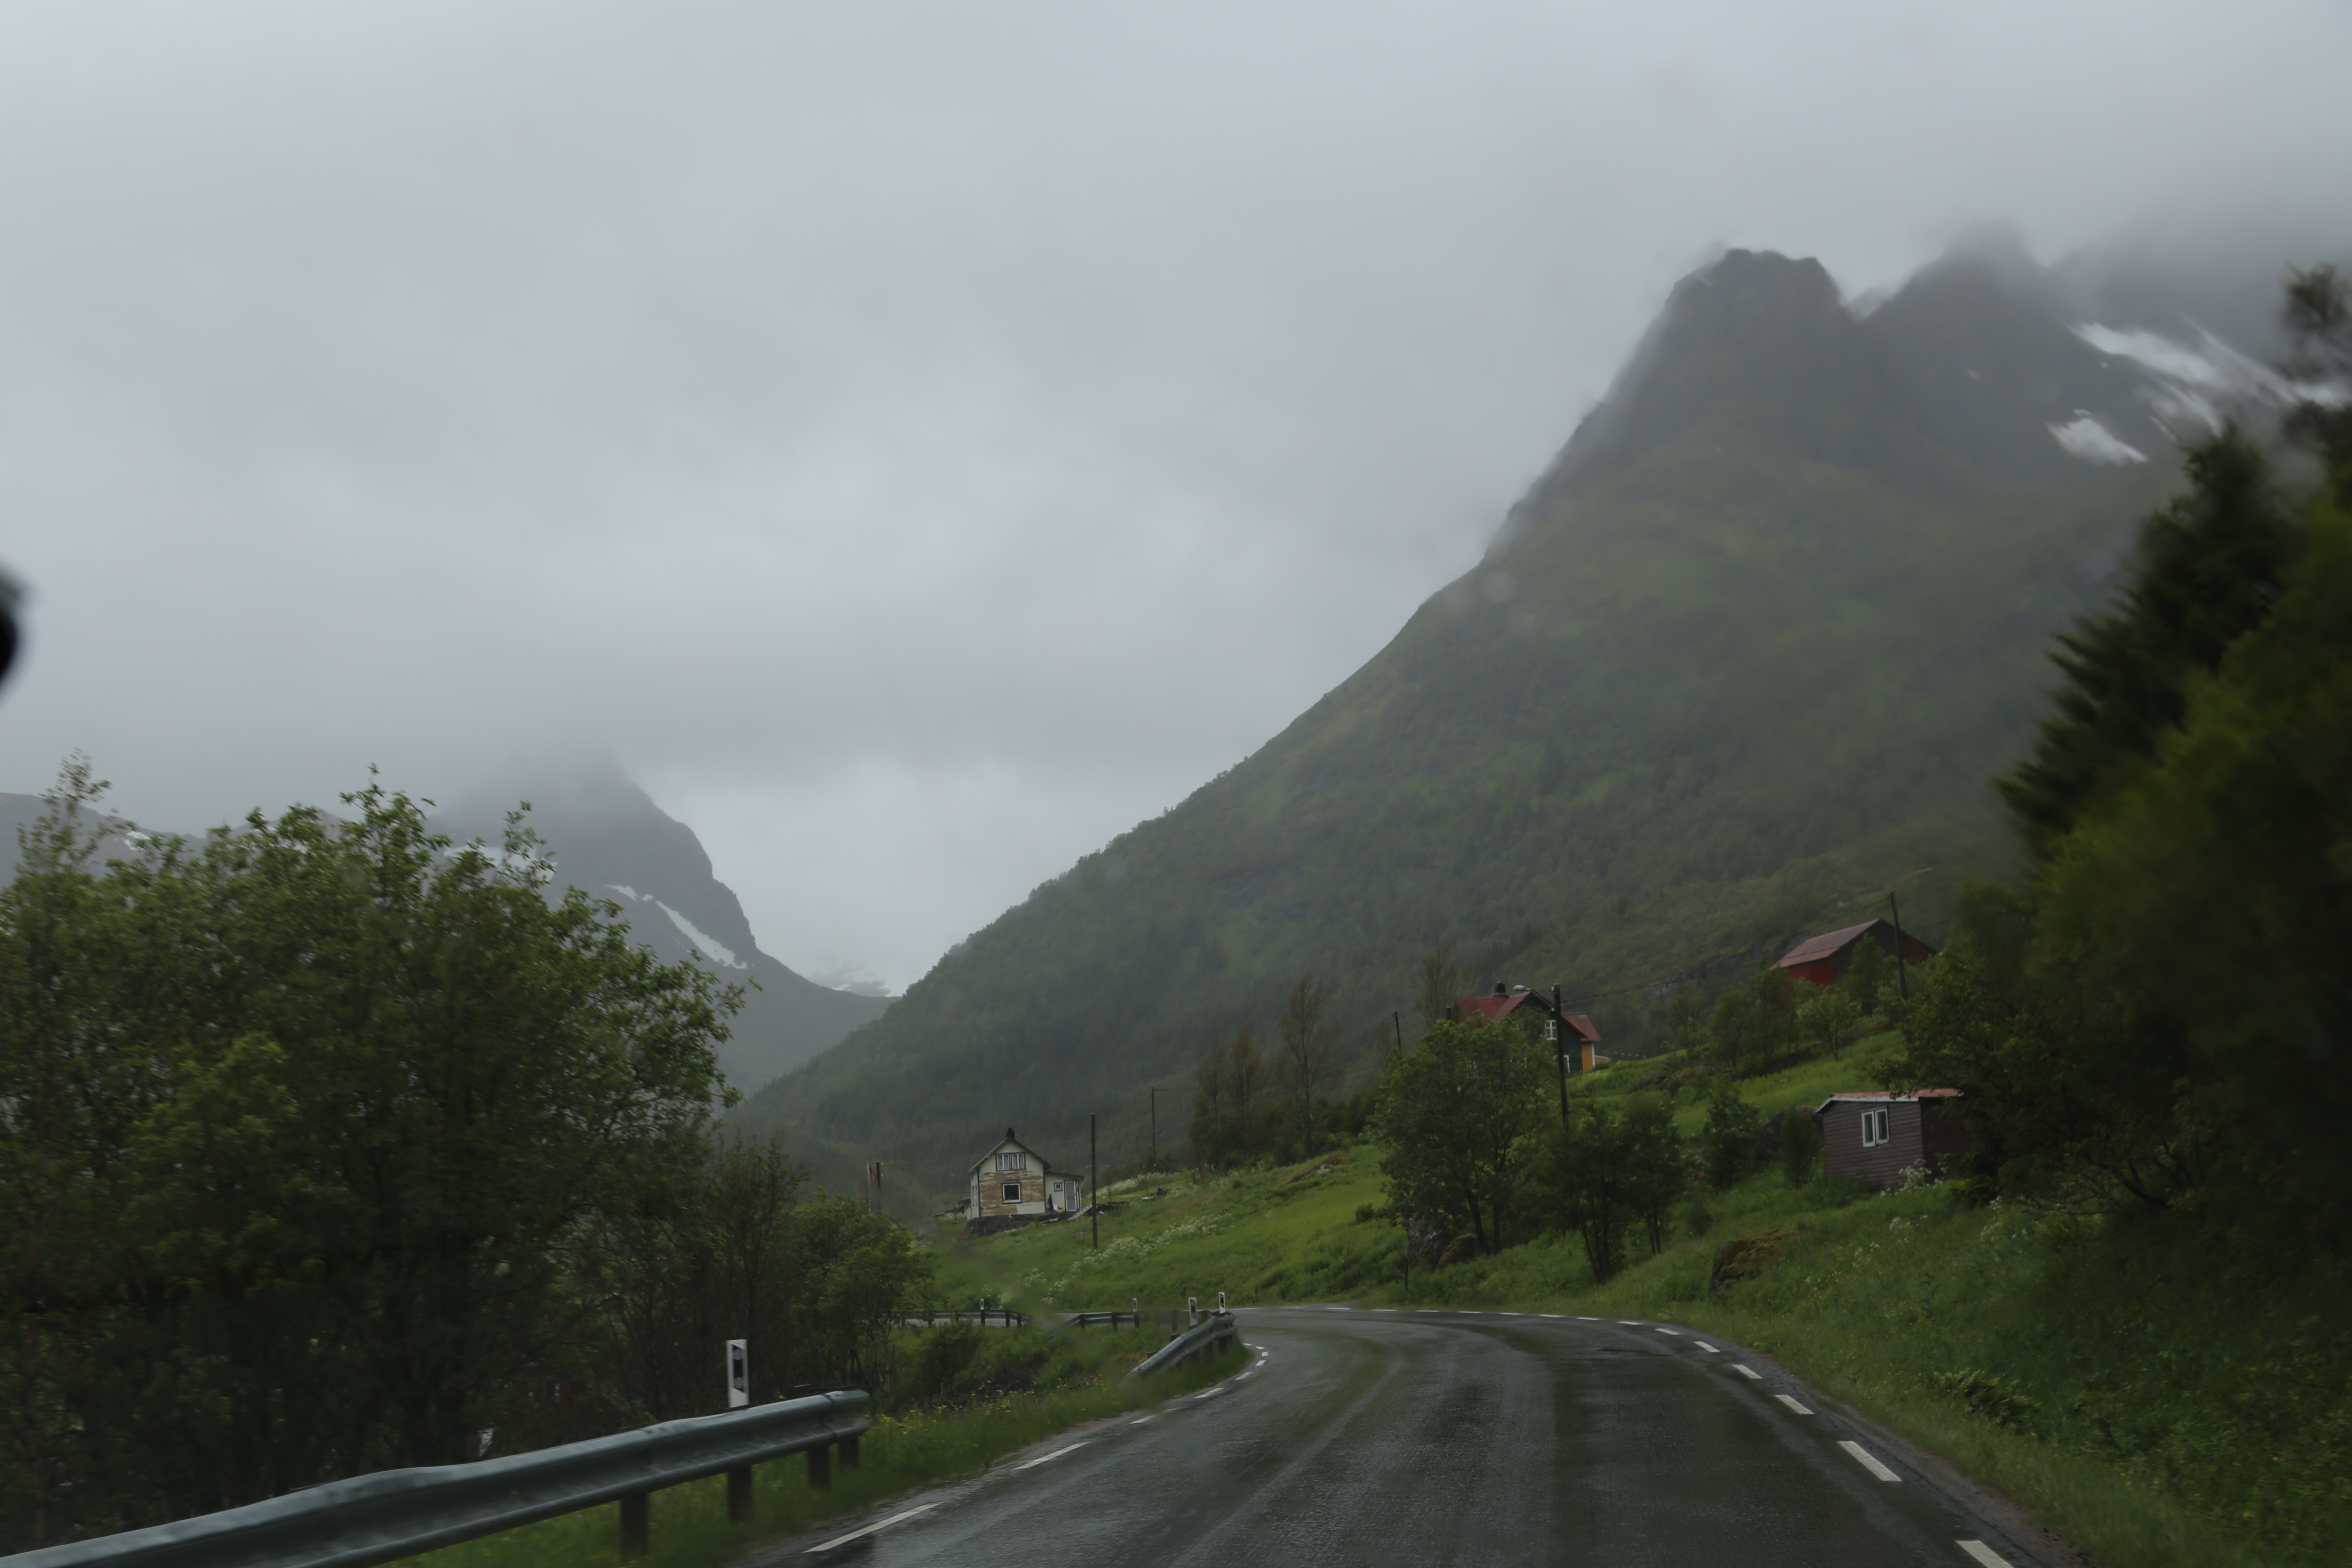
1259, 1235
2160, 1391
899, 1453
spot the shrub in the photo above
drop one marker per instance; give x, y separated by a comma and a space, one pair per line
1801, 1145
1992, 1396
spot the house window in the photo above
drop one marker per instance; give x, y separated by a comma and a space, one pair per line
1012, 1192
1015, 1160
1873, 1129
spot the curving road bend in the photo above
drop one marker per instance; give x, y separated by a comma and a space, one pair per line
1403, 1437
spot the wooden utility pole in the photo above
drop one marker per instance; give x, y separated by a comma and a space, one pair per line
1901, 958
1155, 1125
1560, 1048
1094, 1185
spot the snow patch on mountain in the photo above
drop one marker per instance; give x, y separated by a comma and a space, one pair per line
710, 946
2093, 442
2190, 383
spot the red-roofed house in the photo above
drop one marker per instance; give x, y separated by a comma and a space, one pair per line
1508, 1001
1873, 1136
1824, 959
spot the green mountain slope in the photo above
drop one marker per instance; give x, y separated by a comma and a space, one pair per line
1742, 661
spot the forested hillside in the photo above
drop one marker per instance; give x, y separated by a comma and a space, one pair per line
1740, 662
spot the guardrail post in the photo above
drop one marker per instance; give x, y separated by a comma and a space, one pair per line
850, 1453
636, 1525
739, 1495
820, 1461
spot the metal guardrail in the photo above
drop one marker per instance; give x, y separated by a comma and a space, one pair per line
1000, 1317
1104, 1320
1205, 1338
396, 1513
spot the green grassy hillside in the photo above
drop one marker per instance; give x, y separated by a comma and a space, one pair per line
1741, 663
2145, 1391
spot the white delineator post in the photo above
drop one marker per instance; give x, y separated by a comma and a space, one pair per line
739, 1394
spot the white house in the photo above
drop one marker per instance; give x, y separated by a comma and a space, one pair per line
1014, 1179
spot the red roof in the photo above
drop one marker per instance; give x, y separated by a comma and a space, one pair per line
1821, 946
1495, 1007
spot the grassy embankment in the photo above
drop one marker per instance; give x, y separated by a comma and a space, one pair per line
2146, 1389
1081, 1380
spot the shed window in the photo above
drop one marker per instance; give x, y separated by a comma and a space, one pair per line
1873, 1129
1012, 1192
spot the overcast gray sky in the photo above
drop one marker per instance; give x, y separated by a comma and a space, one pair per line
922, 439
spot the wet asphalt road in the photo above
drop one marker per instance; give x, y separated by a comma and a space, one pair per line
1444, 1438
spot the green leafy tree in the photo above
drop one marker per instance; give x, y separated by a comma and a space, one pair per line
864, 1272
1454, 1119
1615, 1170
2070, 1086
1728, 1140
1871, 981
687, 1264
1801, 1145
1686, 1020
324, 1104
2215, 894
1829, 1020
1753, 1023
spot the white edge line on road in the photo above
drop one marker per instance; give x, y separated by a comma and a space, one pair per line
1670, 1330
1032, 1464
1982, 1554
1867, 1460
1792, 1404
1141, 1419
1582, 1319
1631, 1323
895, 1519
1547, 1314
1744, 1369
1202, 1394
1705, 1346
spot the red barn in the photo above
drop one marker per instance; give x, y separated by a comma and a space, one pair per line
1824, 959
1506, 1001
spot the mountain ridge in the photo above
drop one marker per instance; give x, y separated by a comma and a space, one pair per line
607, 836
1745, 648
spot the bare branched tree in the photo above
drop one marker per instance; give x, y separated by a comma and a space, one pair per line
1311, 1045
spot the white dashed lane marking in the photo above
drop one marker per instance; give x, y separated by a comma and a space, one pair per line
1675, 1332
1042, 1458
1705, 1346
1982, 1554
1869, 1461
896, 1519
1744, 1369
1792, 1404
